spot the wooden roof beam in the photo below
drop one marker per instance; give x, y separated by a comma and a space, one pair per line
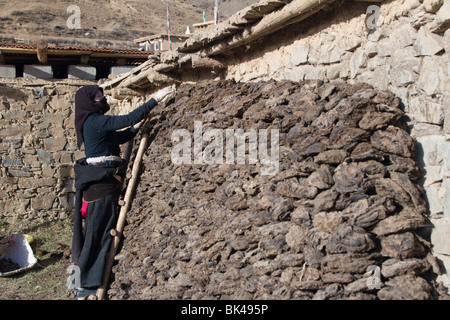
42, 51
293, 12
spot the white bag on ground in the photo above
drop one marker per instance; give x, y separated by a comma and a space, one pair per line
16, 248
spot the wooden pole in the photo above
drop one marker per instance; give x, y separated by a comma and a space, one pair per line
293, 12
101, 291
216, 12
41, 50
208, 63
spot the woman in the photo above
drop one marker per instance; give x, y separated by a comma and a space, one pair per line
98, 179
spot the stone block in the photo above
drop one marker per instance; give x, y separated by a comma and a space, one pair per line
314, 73
439, 236
357, 61
432, 5
384, 48
55, 144
14, 208
433, 199
447, 115
370, 49
273, 60
432, 175
403, 36
330, 52
430, 150
37, 71
31, 161
17, 141
18, 173
46, 182
43, 203
82, 72
405, 58
11, 162
64, 172
401, 77
60, 103
424, 110
350, 43
427, 43
7, 71
44, 156
433, 78
300, 55
442, 21
334, 71
425, 129
294, 74
27, 183
15, 131
15, 114
345, 70
446, 198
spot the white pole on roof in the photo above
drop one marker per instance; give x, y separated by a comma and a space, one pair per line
216, 12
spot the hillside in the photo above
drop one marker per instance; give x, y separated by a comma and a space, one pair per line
105, 19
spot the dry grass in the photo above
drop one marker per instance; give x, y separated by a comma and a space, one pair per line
47, 280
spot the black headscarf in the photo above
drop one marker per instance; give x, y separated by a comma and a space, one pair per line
88, 99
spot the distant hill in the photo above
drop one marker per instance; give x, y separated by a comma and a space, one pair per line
113, 20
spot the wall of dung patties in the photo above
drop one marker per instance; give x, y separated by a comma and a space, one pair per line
344, 199
407, 53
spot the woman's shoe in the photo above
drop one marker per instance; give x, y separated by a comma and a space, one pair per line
83, 293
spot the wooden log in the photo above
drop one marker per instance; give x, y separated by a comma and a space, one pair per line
165, 67
157, 78
293, 12
119, 79
134, 79
123, 93
84, 59
42, 51
234, 24
207, 63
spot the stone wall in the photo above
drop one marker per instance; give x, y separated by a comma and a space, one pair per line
38, 147
407, 53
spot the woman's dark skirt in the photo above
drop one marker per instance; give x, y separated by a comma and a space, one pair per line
91, 242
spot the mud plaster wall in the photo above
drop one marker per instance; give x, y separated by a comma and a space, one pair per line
402, 55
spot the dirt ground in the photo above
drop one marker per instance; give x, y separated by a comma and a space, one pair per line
47, 280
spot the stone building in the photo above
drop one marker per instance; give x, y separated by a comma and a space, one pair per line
44, 60
402, 46
160, 42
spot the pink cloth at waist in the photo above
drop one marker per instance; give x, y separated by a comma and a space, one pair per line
84, 209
